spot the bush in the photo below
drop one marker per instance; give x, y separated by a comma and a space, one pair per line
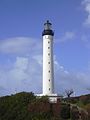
65, 111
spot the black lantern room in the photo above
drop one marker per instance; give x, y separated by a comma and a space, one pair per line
47, 29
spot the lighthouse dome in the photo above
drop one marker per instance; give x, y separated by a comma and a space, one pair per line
47, 29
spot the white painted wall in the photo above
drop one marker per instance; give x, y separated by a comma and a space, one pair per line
48, 77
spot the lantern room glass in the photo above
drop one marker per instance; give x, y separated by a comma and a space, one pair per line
47, 25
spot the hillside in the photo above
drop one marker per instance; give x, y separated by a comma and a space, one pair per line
25, 106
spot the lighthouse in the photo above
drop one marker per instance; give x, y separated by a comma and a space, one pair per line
48, 66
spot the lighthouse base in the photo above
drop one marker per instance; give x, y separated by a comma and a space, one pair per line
52, 97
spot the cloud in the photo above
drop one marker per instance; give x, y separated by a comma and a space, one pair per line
22, 69
67, 36
85, 39
77, 81
39, 59
19, 45
25, 75
18, 72
86, 4
3, 91
21, 63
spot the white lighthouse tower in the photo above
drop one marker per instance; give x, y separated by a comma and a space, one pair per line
48, 67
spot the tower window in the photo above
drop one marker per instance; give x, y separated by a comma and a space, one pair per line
48, 47
48, 41
49, 71
48, 62
48, 54
49, 89
49, 80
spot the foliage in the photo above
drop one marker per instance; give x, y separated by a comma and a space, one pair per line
65, 111
26, 106
74, 113
87, 107
15, 107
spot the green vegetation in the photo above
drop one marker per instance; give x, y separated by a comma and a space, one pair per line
26, 106
14, 107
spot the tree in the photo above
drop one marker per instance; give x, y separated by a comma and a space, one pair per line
69, 92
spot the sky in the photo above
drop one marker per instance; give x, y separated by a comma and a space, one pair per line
21, 26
